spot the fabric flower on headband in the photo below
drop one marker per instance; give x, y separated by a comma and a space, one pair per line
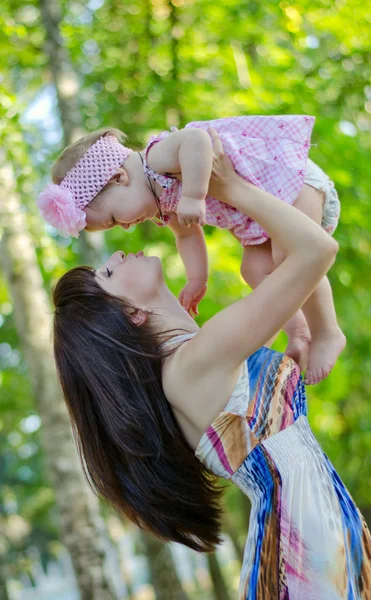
62, 205
58, 208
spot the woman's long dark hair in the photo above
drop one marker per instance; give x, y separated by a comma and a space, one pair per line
132, 450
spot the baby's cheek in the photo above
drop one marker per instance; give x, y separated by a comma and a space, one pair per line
128, 210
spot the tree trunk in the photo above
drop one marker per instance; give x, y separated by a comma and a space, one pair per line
219, 584
64, 76
233, 533
3, 575
366, 513
174, 112
67, 85
81, 527
3, 563
164, 577
3, 588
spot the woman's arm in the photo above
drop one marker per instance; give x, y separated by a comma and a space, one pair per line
227, 339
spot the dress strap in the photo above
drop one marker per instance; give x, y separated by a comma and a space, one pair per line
182, 337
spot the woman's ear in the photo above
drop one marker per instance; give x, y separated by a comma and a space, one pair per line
138, 316
121, 177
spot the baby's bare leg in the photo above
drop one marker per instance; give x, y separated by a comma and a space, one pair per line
327, 339
257, 263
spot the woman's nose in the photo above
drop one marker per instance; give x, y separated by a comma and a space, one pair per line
116, 258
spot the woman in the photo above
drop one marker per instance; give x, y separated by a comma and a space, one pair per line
158, 403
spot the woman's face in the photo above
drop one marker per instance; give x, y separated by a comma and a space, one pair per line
133, 276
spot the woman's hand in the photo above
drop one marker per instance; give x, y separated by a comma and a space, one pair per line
223, 173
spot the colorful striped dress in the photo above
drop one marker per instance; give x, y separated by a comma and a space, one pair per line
307, 539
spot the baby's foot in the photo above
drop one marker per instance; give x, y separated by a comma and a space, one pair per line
323, 354
298, 349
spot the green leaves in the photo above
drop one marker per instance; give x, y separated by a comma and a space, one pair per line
150, 64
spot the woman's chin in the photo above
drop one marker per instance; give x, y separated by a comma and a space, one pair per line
155, 259
159, 268
155, 262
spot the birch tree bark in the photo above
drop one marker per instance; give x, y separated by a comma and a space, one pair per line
217, 577
3, 563
67, 85
165, 580
82, 529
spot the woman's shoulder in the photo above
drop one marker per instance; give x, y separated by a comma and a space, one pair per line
182, 367
197, 395
197, 398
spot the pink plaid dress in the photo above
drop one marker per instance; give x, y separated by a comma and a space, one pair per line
271, 152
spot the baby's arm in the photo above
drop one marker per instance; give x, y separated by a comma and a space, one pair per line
191, 246
191, 152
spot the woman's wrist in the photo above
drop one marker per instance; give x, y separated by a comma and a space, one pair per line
232, 187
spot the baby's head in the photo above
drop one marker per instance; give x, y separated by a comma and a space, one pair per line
97, 183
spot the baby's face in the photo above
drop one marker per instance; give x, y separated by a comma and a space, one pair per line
122, 205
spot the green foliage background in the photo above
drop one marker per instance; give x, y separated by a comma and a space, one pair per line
146, 65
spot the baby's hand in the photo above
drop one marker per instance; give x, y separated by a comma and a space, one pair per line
192, 294
191, 211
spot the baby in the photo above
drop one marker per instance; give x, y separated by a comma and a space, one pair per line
100, 183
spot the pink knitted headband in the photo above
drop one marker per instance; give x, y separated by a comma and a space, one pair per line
62, 205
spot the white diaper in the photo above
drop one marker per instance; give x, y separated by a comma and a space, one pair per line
315, 177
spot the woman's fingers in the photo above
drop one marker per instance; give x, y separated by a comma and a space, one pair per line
217, 144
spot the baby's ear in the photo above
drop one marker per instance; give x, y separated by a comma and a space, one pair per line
121, 177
